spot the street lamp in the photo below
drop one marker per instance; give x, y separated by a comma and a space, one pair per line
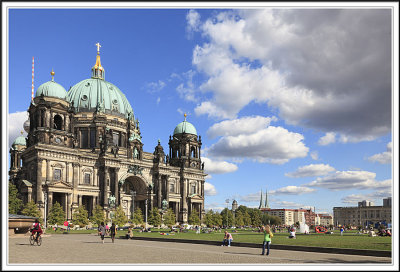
146, 213
227, 209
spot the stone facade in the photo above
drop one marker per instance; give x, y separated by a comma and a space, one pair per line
91, 157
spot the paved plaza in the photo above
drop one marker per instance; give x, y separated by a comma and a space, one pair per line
88, 249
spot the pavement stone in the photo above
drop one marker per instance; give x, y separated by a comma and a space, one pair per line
88, 249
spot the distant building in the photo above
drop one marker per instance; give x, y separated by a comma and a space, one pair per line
365, 214
324, 219
234, 205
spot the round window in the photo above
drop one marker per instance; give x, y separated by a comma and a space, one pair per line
84, 97
115, 101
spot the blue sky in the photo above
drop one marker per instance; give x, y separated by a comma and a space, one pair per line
294, 101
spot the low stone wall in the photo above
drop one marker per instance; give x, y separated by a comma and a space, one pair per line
19, 224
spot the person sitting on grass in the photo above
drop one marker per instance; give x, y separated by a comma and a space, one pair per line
227, 238
292, 234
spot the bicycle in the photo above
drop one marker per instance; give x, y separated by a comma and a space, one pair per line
38, 239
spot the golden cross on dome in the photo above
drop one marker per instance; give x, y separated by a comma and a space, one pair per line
98, 47
185, 115
52, 74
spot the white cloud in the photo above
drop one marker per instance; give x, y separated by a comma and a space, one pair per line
311, 170
253, 197
158, 100
287, 204
244, 125
376, 197
292, 190
344, 180
329, 138
314, 155
218, 167
209, 189
318, 67
384, 157
154, 87
187, 90
16, 125
214, 206
193, 21
273, 145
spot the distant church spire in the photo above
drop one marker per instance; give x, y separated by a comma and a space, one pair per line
266, 205
97, 69
261, 201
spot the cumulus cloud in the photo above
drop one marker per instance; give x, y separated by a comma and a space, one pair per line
292, 190
324, 69
287, 204
218, 167
187, 90
251, 197
311, 170
209, 189
239, 126
16, 125
273, 145
344, 180
384, 157
376, 197
329, 138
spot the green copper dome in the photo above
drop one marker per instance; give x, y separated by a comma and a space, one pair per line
97, 94
185, 127
19, 141
51, 89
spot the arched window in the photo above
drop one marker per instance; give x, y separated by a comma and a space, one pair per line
172, 188
193, 152
58, 122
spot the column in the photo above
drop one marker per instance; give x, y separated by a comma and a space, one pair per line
79, 200
76, 170
48, 175
29, 194
95, 178
39, 177
66, 205
48, 119
69, 206
202, 189
116, 192
50, 200
67, 172
93, 203
184, 195
105, 186
159, 184
51, 120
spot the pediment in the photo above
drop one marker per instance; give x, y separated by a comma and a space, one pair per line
195, 196
60, 185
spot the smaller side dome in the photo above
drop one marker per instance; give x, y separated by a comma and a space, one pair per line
19, 141
185, 127
51, 89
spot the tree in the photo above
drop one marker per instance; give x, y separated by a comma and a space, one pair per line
154, 217
275, 220
80, 216
120, 217
256, 218
14, 202
56, 215
227, 217
98, 215
239, 218
246, 219
31, 209
137, 217
194, 218
217, 219
209, 219
169, 218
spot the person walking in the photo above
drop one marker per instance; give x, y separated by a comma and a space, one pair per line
107, 230
102, 231
113, 231
267, 239
341, 231
227, 238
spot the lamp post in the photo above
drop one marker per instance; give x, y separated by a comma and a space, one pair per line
45, 210
146, 213
227, 209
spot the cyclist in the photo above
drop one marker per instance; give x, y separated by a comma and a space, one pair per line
36, 229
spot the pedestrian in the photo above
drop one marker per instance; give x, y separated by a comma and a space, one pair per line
130, 233
113, 231
341, 230
102, 231
107, 229
227, 238
267, 239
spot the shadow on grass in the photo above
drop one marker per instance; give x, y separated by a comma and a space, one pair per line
334, 260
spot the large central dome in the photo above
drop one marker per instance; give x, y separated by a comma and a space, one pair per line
96, 94
93, 93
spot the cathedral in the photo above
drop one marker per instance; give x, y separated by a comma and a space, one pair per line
84, 147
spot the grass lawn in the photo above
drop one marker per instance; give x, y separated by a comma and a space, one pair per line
350, 239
